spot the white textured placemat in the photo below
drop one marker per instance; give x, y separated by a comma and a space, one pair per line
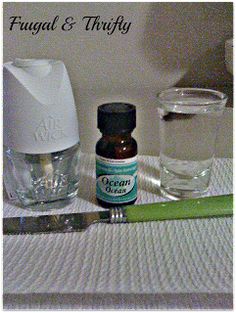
171, 257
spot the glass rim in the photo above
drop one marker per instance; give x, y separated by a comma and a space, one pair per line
161, 96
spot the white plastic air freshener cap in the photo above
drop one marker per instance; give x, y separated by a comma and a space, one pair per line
39, 114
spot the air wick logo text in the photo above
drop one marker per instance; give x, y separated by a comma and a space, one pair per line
49, 129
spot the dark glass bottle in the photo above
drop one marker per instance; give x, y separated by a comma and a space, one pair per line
116, 155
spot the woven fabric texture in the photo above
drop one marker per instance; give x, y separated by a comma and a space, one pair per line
173, 257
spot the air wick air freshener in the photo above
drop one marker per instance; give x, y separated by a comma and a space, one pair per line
41, 138
116, 155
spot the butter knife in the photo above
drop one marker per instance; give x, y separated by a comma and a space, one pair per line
214, 206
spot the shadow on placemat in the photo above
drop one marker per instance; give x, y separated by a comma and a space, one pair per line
118, 301
149, 178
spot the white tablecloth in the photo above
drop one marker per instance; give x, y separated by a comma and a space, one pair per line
154, 265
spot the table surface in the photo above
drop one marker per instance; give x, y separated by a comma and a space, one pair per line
169, 264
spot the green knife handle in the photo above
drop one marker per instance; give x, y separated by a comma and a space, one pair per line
181, 209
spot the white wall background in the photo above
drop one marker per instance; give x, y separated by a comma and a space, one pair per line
168, 44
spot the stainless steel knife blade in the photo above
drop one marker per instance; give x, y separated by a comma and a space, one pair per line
53, 223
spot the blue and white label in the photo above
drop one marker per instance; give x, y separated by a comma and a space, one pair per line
116, 179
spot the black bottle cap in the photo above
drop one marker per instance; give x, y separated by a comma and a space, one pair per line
116, 118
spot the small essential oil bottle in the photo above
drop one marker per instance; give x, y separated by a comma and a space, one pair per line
116, 155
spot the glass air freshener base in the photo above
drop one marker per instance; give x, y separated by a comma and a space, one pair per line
41, 139
41, 178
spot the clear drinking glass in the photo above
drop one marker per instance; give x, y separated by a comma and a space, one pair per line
189, 118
